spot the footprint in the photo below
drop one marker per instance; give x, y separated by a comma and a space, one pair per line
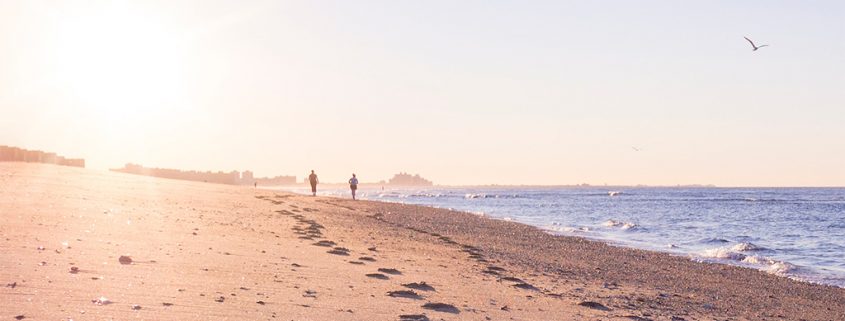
441, 307
512, 279
339, 251
594, 305
407, 294
413, 317
378, 276
325, 243
422, 286
390, 271
526, 286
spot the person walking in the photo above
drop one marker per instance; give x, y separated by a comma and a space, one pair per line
313, 180
353, 185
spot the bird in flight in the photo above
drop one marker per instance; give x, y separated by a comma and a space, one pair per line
753, 45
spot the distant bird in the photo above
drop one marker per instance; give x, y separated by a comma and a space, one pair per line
753, 45
635, 149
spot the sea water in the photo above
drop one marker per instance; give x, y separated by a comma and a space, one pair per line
791, 232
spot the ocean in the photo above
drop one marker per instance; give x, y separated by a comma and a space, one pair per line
797, 233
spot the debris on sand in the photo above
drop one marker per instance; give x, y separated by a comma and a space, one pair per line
441, 307
167, 304
220, 299
101, 301
593, 305
20, 317
260, 302
372, 249
12, 285
136, 307
124, 260
74, 270
310, 294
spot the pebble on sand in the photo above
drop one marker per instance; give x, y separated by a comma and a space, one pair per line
124, 260
101, 301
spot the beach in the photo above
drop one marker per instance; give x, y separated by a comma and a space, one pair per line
80, 244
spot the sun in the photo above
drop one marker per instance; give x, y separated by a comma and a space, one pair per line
118, 63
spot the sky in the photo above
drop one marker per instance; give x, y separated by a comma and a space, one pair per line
461, 92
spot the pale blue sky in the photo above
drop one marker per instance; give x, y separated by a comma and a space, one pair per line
462, 92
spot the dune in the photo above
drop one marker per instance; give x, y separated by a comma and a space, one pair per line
83, 244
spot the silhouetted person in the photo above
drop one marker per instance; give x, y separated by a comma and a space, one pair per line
313, 180
353, 185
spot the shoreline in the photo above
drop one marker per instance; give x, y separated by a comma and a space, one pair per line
221, 252
711, 255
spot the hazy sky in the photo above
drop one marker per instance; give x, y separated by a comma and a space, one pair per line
462, 92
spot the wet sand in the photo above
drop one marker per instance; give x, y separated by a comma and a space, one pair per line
89, 245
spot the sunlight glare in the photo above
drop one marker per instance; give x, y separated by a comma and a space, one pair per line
120, 65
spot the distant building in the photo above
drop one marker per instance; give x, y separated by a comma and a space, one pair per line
247, 178
405, 179
275, 181
230, 178
14, 154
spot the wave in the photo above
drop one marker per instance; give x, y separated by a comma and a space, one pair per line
734, 252
743, 253
482, 195
713, 240
621, 225
747, 247
567, 229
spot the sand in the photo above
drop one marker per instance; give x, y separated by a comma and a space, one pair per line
83, 244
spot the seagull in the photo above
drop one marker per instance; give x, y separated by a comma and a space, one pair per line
753, 45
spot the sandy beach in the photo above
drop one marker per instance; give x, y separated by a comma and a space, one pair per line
79, 244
